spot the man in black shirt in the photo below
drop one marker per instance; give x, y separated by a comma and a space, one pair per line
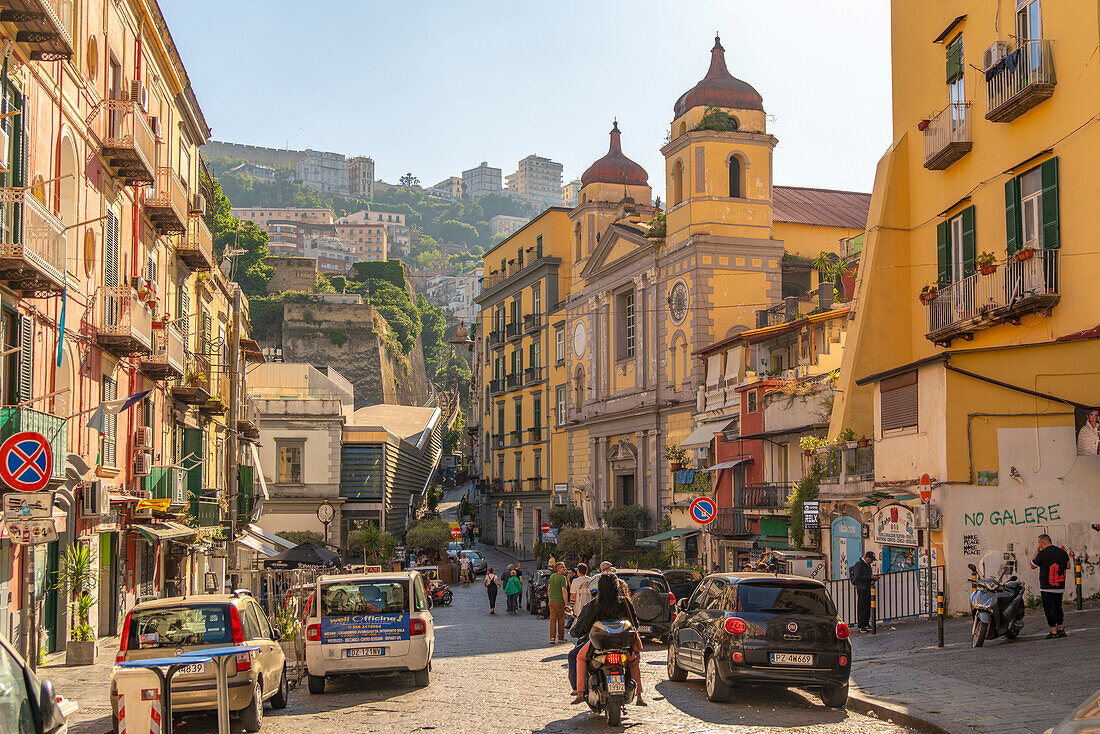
1053, 563
862, 577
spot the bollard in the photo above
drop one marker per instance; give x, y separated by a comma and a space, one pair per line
1077, 578
939, 611
874, 612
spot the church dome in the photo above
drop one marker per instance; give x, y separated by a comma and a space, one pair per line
615, 168
719, 88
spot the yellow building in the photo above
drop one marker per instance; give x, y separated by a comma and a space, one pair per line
986, 204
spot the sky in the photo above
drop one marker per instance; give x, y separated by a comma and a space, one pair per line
434, 87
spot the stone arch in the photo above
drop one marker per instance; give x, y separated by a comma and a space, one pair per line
578, 242
677, 361
736, 165
683, 129
578, 388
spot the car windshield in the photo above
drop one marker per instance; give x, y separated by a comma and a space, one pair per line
364, 597
784, 598
179, 627
634, 582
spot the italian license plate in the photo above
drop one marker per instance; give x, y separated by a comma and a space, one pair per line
615, 685
645, 628
366, 652
196, 669
783, 658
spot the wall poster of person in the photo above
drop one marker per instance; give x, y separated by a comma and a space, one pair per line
1087, 423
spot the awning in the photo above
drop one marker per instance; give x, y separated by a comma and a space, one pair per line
667, 535
727, 464
767, 541
704, 434
164, 531
269, 538
251, 541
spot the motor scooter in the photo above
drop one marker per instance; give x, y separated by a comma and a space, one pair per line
609, 681
441, 593
997, 607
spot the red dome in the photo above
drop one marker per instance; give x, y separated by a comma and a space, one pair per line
719, 88
615, 168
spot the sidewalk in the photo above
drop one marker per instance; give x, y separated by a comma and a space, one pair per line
1010, 687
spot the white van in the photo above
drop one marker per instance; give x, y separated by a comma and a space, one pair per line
369, 623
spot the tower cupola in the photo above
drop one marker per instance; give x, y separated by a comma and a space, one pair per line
719, 88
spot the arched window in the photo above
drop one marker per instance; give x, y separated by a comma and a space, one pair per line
578, 387
683, 129
677, 182
735, 177
577, 246
679, 345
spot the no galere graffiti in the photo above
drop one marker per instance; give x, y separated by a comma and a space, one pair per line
1027, 516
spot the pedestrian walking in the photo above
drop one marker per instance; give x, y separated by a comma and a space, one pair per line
1053, 564
519, 575
492, 585
862, 577
512, 589
466, 566
555, 596
578, 586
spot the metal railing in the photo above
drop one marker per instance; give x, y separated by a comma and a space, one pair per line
31, 234
496, 338
168, 207
978, 301
1020, 81
196, 247
532, 321
731, 520
795, 307
126, 318
55, 429
126, 140
515, 379
513, 329
768, 496
532, 374
204, 510
947, 137
898, 594
168, 349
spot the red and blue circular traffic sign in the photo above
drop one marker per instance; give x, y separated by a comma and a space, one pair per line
26, 461
703, 510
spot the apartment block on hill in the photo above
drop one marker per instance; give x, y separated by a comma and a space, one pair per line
481, 181
537, 180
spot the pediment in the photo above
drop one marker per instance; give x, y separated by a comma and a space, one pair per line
618, 245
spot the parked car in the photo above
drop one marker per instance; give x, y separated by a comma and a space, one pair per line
478, 562
538, 586
168, 627
683, 583
455, 547
761, 629
369, 623
653, 602
27, 705
1085, 720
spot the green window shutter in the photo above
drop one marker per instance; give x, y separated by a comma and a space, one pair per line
192, 457
954, 61
1013, 225
968, 241
943, 252
26, 358
1049, 173
111, 257
204, 345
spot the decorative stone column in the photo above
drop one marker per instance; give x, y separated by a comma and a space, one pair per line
639, 330
654, 340
603, 492
653, 456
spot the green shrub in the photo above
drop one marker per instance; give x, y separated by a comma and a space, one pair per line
627, 517
566, 516
336, 336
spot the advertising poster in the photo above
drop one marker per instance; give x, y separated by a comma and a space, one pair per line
1087, 425
364, 628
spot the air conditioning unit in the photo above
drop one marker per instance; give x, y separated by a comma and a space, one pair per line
994, 54
143, 438
198, 204
94, 501
155, 126
139, 94
178, 488
142, 464
137, 282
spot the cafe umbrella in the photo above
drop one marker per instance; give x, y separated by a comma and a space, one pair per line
306, 555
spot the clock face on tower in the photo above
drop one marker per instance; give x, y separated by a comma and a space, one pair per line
580, 339
678, 301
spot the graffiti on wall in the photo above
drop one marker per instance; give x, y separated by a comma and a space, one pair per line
972, 545
1035, 515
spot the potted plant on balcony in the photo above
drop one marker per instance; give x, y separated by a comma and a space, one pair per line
215, 405
928, 293
864, 442
986, 263
923, 124
1025, 253
848, 438
808, 444
192, 378
77, 578
676, 457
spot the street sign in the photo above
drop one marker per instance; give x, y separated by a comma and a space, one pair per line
28, 506
811, 513
456, 533
703, 510
26, 461
545, 528
31, 532
925, 489
550, 536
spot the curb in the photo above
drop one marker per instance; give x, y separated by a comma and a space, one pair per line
900, 714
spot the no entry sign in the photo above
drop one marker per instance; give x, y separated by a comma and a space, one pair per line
26, 461
545, 528
456, 533
703, 510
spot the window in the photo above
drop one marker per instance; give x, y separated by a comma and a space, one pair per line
956, 90
578, 387
1032, 209
519, 416
1031, 201
559, 398
677, 182
559, 344
110, 423
624, 303
518, 476
750, 401
500, 419
290, 463
955, 247
536, 300
898, 402
537, 465
534, 358
537, 412
735, 177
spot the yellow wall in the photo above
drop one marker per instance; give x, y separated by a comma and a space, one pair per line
807, 240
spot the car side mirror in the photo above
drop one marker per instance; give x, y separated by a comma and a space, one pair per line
278, 633
1013, 578
430, 602
682, 605
50, 718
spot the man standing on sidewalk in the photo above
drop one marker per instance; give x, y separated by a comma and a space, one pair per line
555, 595
862, 576
1053, 563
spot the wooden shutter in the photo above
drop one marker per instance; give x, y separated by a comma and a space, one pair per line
192, 457
954, 61
898, 401
1013, 225
1049, 173
110, 423
204, 345
26, 358
968, 241
943, 252
110, 255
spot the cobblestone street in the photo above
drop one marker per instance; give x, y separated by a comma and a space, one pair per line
492, 674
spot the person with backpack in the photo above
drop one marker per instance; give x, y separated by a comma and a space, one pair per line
862, 577
1053, 565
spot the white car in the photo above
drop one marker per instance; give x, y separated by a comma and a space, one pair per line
369, 623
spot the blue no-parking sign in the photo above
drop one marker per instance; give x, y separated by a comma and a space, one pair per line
26, 461
703, 510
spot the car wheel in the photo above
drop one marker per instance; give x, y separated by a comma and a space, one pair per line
717, 690
252, 716
835, 697
316, 683
423, 676
675, 672
278, 701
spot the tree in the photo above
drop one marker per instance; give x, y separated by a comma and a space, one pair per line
432, 325
626, 517
297, 537
409, 180
566, 516
249, 268
429, 536
587, 545
376, 544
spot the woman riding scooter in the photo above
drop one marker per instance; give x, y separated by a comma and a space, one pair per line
610, 604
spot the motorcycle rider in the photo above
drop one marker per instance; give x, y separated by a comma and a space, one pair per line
610, 604
1053, 563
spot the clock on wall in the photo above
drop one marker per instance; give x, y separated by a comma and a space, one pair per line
678, 301
580, 339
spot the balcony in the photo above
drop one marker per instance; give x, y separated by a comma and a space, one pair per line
536, 433
218, 402
32, 245
127, 326
517, 437
125, 141
1020, 81
515, 380
168, 207
846, 473
168, 358
769, 496
731, 521
497, 386
535, 484
794, 308
532, 375
978, 301
205, 511
947, 137
196, 248
15, 420
168, 482
194, 388
513, 330
498, 441
248, 424
532, 322
44, 26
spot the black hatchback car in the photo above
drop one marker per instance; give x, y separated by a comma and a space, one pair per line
756, 628
653, 601
683, 582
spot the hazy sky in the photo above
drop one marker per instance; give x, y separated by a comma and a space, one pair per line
435, 87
